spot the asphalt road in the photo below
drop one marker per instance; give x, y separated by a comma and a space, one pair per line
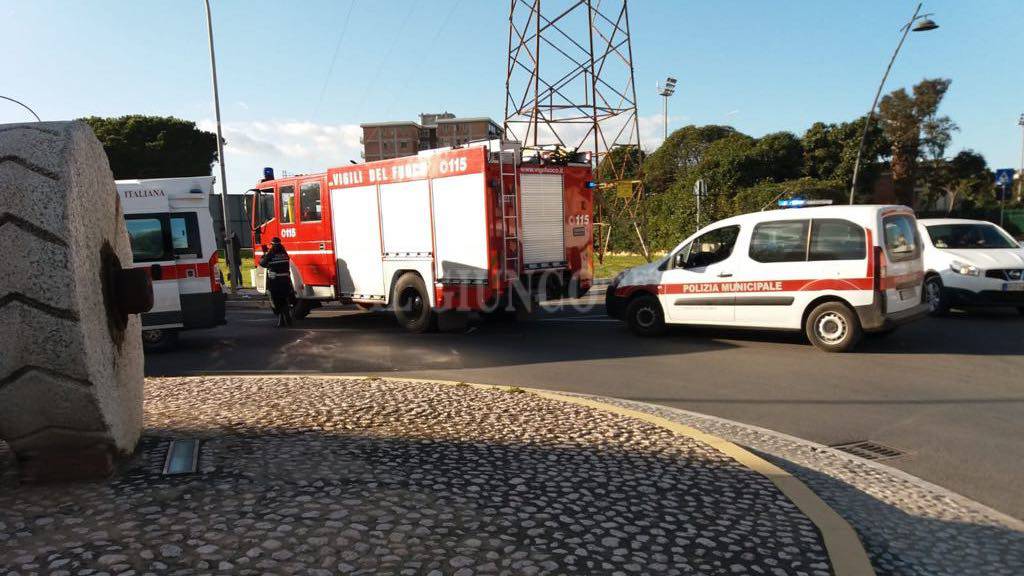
949, 392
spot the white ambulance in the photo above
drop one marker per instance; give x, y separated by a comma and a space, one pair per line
834, 272
171, 231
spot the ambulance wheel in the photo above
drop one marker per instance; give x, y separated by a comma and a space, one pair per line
833, 327
412, 305
159, 340
645, 317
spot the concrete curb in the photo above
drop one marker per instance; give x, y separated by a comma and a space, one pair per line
846, 553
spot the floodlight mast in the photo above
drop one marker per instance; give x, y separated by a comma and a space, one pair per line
583, 97
666, 89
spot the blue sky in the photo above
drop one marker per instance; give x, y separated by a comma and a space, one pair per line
759, 66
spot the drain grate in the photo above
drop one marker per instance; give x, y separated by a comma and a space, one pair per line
869, 450
182, 457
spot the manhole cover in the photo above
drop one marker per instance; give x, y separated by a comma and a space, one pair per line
869, 450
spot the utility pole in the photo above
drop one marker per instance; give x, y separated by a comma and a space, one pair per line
232, 266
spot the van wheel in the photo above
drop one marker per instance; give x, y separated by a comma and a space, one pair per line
159, 340
645, 317
412, 305
931, 295
833, 327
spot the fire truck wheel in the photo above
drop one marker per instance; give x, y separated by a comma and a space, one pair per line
645, 317
302, 309
412, 304
159, 340
833, 327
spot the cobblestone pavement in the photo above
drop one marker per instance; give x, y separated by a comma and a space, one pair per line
908, 527
325, 476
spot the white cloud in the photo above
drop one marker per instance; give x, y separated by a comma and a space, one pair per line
295, 147
299, 147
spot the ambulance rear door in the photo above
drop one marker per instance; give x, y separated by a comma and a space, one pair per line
153, 249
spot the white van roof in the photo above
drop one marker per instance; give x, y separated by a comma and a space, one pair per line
161, 194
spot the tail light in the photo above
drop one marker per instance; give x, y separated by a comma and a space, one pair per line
215, 274
880, 268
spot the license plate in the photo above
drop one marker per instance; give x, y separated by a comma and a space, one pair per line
1013, 287
907, 294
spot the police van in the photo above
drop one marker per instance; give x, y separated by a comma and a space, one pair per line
834, 272
172, 237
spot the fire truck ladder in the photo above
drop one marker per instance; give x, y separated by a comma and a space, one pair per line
510, 210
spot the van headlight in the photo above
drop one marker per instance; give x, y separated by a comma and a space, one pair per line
965, 269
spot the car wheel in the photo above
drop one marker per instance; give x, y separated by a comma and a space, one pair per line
412, 305
931, 295
159, 340
833, 327
645, 317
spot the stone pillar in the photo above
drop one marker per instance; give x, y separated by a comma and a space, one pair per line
70, 352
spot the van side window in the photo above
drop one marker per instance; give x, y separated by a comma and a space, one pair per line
309, 201
146, 234
712, 247
784, 241
900, 237
837, 240
185, 236
287, 204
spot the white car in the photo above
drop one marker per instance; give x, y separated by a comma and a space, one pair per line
971, 263
834, 272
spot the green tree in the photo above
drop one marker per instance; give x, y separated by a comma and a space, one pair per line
830, 151
962, 182
912, 125
679, 154
155, 146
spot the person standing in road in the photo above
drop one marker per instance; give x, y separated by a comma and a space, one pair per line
279, 280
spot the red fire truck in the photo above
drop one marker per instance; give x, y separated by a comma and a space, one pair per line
465, 229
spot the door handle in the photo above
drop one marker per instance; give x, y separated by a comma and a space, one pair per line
724, 274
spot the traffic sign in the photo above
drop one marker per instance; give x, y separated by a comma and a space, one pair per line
1004, 176
700, 189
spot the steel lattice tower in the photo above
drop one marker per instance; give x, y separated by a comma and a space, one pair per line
569, 84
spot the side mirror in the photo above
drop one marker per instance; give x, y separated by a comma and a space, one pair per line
156, 272
678, 261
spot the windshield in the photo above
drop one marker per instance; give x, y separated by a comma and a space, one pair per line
969, 236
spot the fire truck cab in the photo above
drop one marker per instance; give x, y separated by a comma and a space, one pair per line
171, 232
447, 230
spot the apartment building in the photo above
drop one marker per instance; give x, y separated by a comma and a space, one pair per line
382, 140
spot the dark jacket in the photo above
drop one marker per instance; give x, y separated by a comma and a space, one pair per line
278, 265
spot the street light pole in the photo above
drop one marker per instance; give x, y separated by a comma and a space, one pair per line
228, 252
23, 105
924, 26
1020, 173
666, 89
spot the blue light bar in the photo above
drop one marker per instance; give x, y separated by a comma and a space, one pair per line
792, 203
591, 184
268, 173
